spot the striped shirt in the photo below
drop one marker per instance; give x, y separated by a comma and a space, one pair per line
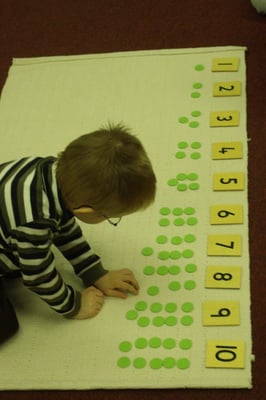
32, 220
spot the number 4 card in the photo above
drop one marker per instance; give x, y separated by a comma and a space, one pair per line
227, 150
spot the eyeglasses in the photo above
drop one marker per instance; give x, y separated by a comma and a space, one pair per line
112, 221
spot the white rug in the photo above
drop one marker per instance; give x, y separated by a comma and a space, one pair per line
172, 335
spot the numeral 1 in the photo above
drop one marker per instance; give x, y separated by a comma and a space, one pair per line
225, 64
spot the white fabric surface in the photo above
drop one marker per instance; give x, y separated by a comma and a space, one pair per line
46, 103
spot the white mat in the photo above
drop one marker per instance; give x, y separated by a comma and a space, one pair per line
47, 102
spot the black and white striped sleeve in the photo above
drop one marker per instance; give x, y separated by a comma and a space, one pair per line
32, 245
75, 248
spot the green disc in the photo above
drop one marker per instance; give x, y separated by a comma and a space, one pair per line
139, 362
193, 124
158, 321
147, 251
141, 306
164, 255
171, 321
161, 239
199, 67
192, 221
187, 320
191, 268
183, 120
195, 156
153, 290
156, 363
187, 307
174, 286
143, 322
185, 344
169, 343
123, 362
196, 113
197, 85
172, 182
196, 145
190, 285
179, 222
156, 307
180, 155
189, 211
193, 176
162, 270
174, 270
183, 363
175, 255
169, 362
131, 315
182, 187
190, 238
165, 211
125, 346
170, 307
177, 211
164, 222
194, 186
195, 95
155, 342
187, 253
141, 343
182, 145
176, 240
181, 177
149, 270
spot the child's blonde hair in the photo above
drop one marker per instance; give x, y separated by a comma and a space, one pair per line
107, 170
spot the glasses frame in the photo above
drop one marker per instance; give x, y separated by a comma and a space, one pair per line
103, 215
110, 220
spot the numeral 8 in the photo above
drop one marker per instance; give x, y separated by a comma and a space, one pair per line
222, 277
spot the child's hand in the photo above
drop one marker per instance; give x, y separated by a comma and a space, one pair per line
91, 302
118, 283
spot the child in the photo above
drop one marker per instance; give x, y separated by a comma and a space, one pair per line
100, 176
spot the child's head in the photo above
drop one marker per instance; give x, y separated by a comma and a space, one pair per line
107, 170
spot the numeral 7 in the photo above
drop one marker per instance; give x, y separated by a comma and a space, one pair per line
229, 246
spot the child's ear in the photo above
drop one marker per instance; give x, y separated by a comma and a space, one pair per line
83, 210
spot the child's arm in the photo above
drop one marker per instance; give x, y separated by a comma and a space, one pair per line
75, 248
91, 303
118, 283
88, 266
32, 243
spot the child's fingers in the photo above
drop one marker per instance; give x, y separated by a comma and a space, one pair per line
129, 277
134, 283
130, 287
116, 293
